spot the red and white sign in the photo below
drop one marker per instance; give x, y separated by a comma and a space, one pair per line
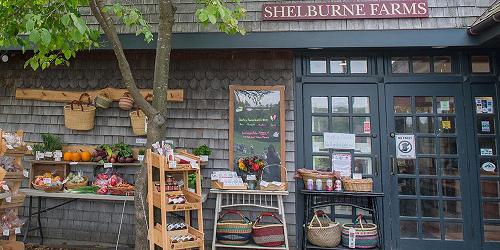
346, 10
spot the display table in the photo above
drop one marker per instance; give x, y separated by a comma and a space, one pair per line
268, 200
40, 195
317, 199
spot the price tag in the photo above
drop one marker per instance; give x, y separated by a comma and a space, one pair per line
352, 238
140, 157
5, 187
251, 177
214, 176
73, 163
276, 183
26, 173
108, 165
8, 199
39, 155
29, 148
10, 146
357, 176
172, 164
194, 165
47, 180
18, 230
264, 183
141, 140
58, 154
6, 232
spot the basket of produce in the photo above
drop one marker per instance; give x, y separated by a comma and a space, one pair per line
74, 181
126, 101
122, 189
364, 235
308, 174
358, 185
138, 120
322, 232
233, 232
48, 182
78, 116
102, 100
268, 234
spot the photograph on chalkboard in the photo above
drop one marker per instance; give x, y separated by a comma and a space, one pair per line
257, 131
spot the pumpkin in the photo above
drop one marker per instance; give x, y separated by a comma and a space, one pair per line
67, 156
86, 156
76, 156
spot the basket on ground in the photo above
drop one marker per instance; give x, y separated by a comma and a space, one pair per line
365, 235
358, 185
268, 234
233, 232
322, 232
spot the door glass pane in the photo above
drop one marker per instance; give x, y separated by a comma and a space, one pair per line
453, 231
340, 124
445, 105
340, 104
361, 105
318, 144
451, 188
489, 188
491, 232
319, 104
408, 207
363, 145
427, 166
338, 66
428, 187
400, 65
488, 167
448, 145
491, 210
452, 209
359, 65
404, 125
446, 124
480, 64
321, 163
406, 186
408, 229
449, 167
430, 208
421, 64
425, 125
484, 105
487, 146
423, 104
405, 166
363, 165
442, 64
430, 230
360, 123
426, 145
402, 105
486, 125
319, 124
346, 210
317, 65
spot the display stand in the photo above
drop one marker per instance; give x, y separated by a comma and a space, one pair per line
317, 199
268, 200
158, 235
13, 199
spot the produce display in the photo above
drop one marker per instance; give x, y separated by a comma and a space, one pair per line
176, 226
73, 181
176, 199
47, 180
112, 183
9, 164
183, 238
116, 153
10, 220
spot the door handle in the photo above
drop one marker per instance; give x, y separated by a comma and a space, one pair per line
393, 165
375, 162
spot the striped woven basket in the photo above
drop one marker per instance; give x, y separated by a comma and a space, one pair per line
268, 234
233, 232
366, 235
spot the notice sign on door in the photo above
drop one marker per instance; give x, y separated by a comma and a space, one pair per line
405, 147
339, 141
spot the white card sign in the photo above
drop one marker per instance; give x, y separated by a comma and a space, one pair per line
108, 165
405, 147
339, 141
341, 162
141, 140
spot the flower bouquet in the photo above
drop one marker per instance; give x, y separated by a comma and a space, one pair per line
252, 167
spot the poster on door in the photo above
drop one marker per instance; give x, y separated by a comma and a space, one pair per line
484, 105
341, 162
405, 147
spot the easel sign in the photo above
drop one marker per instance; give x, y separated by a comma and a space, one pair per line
257, 127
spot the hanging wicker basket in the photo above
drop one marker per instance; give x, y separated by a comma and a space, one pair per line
139, 122
78, 116
323, 232
126, 101
103, 100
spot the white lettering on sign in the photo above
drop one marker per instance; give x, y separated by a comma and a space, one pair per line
339, 141
405, 147
141, 140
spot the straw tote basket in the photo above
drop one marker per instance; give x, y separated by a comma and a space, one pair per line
268, 234
365, 235
138, 121
233, 232
323, 232
78, 116
355, 185
103, 100
126, 102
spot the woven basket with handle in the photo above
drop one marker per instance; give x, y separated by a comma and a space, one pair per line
322, 232
103, 100
365, 234
233, 232
126, 101
71, 185
358, 185
268, 234
138, 122
78, 116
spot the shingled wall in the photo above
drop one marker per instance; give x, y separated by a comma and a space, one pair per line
201, 119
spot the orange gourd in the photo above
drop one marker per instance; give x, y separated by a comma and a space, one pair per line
67, 156
86, 156
76, 156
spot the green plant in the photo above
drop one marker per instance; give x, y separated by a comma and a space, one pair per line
202, 150
38, 147
142, 151
51, 142
192, 181
122, 149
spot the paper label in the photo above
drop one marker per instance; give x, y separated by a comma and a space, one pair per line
352, 238
58, 154
489, 167
194, 165
108, 165
172, 164
251, 177
6, 232
140, 157
26, 173
29, 148
18, 230
486, 151
48, 154
485, 126
276, 183
10, 146
446, 124
405, 147
8, 199
339, 141
141, 140
367, 128
214, 177
341, 162
445, 105
39, 155
47, 180
5, 187
264, 183
73, 163
357, 176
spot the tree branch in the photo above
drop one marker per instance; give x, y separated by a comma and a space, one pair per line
106, 24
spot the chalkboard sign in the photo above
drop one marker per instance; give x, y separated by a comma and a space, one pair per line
257, 127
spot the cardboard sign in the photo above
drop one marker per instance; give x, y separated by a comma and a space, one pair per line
339, 141
341, 162
405, 147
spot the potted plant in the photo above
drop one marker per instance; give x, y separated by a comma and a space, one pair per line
192, 182
38, 151
203, 152
52, 146
140, 155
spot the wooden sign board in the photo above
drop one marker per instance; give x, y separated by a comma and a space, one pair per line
257, 127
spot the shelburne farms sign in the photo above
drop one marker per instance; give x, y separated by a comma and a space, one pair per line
346, 10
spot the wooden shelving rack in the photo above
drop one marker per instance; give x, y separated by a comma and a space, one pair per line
158, 234
13, 180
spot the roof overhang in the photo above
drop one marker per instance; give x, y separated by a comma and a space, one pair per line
487, 26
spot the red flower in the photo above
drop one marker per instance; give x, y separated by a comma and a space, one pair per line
255, 167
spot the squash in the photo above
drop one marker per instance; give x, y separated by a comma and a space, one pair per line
86, 156
67, 156
76, 156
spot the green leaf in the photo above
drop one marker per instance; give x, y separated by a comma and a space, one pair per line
67, 54
30, 25
65, 19
78, 23
34, 36
33, 63
212, 18
45, 34
203, 16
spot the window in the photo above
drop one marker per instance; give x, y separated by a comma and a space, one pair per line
421, 65
480, 64
317, 65
442, 64
359, 65
400, 65
338, 65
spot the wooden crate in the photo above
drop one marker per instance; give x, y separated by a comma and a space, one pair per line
59, 169
16, 201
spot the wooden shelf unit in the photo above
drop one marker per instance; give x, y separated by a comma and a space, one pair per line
13, 181
158, 234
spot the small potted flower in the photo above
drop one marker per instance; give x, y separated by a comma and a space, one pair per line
203, 152
140, 155
252, 166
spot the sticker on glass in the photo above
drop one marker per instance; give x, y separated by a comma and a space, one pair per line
486, 151
341, 162
485, 126
405, 147
445, 105
488, 167
484, 105
446, 124
367, 127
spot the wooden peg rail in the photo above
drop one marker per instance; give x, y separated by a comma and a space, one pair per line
173, 95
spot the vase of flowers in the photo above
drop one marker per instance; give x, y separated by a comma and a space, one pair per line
252, 168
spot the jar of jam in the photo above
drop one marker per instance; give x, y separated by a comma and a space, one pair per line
169, 180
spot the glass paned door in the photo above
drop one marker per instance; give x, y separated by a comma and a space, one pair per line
429, 192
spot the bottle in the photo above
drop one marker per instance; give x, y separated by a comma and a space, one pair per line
338, 185
310, 184
319, 185
329, 185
